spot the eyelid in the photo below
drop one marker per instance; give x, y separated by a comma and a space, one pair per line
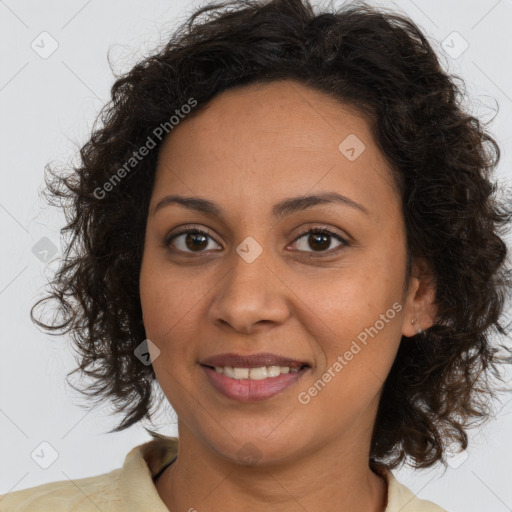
184, 230
315, 226
344, 240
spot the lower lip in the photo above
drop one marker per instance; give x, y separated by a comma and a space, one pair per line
247, 390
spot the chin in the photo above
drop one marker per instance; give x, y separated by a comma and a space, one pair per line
250, 448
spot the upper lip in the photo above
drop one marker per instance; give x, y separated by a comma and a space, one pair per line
251, 360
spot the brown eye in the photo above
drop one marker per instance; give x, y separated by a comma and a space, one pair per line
190, 240
319, 240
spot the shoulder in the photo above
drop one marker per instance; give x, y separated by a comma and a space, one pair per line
401, 498
84, 494
127, 489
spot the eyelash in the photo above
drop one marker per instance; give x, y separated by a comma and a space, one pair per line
309, 254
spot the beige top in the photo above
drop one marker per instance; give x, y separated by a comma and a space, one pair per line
131, 488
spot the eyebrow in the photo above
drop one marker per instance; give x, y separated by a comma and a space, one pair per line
281, 209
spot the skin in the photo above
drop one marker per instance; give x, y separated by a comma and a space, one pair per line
249, 149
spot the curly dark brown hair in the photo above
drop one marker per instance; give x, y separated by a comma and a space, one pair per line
381, 64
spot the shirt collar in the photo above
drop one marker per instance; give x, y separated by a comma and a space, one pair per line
138, 492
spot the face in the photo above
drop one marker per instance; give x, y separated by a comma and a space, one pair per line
258, 280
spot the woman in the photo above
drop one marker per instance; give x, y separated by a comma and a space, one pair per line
288, 221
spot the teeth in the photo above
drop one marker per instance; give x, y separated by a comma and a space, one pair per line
273, 371
260, 373
240, 373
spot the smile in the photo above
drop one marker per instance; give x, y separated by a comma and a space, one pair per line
259, 373
253, 384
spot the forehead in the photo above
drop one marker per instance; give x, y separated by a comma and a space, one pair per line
281, 133
285, 108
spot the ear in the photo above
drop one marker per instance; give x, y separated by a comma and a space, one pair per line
420, 309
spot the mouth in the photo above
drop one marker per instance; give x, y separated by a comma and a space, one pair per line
255, 377
260, 360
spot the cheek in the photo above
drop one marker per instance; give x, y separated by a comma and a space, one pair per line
172, 300
169, 297
375, 331
349, 298
356, 314
361, 332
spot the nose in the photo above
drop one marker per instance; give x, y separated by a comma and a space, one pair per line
250, 296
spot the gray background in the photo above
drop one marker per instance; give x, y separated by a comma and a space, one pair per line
48, 104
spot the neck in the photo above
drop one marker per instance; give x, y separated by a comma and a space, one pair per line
329, 479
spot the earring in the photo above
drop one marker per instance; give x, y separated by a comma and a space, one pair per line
413, 321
